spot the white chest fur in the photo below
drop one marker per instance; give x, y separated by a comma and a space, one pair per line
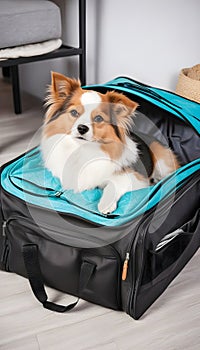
78, 164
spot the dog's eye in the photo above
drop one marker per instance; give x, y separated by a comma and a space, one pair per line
98, 119
74, 113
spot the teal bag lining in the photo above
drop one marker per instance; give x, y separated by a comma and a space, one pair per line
27, 179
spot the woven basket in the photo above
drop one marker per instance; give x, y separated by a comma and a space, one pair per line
188, 84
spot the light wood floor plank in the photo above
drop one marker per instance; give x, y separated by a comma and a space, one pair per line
23, 316
30, 343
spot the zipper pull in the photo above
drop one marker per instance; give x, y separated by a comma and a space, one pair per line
58, 193
4, 228
125, 267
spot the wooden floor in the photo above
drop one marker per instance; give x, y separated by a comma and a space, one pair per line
172, 322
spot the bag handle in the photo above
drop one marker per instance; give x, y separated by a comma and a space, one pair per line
34, 274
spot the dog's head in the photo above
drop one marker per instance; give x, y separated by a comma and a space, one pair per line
85, 114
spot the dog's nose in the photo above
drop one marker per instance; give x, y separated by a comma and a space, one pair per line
82, 129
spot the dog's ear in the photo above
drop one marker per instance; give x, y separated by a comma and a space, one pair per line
123, 104
121, 109
61, 89
62, 86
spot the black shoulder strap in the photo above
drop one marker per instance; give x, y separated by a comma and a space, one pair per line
31, 261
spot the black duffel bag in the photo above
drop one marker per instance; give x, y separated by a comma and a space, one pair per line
124, 260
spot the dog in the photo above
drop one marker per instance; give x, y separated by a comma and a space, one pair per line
87, 143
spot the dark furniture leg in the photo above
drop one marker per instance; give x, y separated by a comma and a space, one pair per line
82, 41
16, 89
6, 72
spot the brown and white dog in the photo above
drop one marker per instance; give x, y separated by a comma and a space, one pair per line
86, 142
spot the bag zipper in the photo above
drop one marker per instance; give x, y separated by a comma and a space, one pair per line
6, 248
30, 224
127, 255
145, 86
41, 225
53, 193
58, 194
125, 266
130, 247
131, 88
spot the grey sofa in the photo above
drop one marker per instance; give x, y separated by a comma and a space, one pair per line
25, 22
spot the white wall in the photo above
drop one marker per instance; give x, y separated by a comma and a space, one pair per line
148, 40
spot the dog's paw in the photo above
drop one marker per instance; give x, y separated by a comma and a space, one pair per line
106, 207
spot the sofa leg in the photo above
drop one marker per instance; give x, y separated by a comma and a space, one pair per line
16, 89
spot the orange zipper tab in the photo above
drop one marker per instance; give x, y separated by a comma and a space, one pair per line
125, 267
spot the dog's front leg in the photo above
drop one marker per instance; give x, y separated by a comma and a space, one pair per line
108, 201
116, 187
